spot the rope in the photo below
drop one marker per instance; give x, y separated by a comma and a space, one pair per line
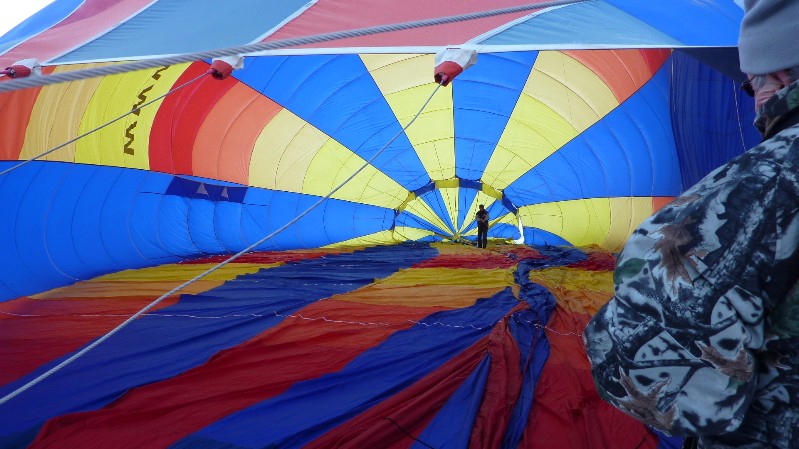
14, 167
35, 81
210, 270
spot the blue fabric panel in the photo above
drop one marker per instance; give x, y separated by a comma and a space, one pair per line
556, 256
704, 23
148, 350
599, 23
268, 211
378, 373
533, 347
451, 428
201, 221
712, 118
16, 276
196, 26
505, 231
465, 199
436, 202
219, 191
629, 152
535, 236
228, 219
409, 219
501, 77
47, 17
337, 95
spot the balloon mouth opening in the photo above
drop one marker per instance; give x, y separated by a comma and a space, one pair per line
438, 209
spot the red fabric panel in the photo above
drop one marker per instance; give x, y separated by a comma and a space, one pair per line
157, 415
179, 118
267, 257
93, 18
567, 412
656, 57
329, 16
504, 258
502, 388
597, 261
35, 331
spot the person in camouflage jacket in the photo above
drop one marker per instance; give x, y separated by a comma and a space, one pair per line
701, 337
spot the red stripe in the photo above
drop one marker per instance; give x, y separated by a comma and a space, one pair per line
180, 117
159, 414
567, 411
502, 389
35, 331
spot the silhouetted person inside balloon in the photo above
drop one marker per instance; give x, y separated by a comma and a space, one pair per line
482, 227
701, 338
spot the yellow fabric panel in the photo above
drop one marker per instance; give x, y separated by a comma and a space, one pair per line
580, 222
125, 142
154, 281
452, 296
450, 183
422, 210
333, 164
294, 156
533, 132
378, 238
578, 291
56, 116
406, 83
627, 213
607, 222
571, 89
406, 233
451, 276
450, 197
284, 151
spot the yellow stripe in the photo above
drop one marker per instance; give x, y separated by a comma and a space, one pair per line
421, 209
124, 143
56, 116
606, 222
497, 277
571, 89
294, 156
399, 234
406, 82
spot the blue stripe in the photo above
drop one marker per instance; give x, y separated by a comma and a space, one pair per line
484, 97
629, 152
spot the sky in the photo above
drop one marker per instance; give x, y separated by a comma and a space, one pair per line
14, 12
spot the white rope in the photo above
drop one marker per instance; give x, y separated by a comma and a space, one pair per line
14, 167
210, 270
35, 81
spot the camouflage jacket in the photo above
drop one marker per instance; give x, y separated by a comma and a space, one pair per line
702, 335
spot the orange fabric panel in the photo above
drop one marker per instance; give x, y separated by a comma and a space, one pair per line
16, 108
659, 201
609, 64
226, 139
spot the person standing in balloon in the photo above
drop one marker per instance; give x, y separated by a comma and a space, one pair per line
701, 338
481, 216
